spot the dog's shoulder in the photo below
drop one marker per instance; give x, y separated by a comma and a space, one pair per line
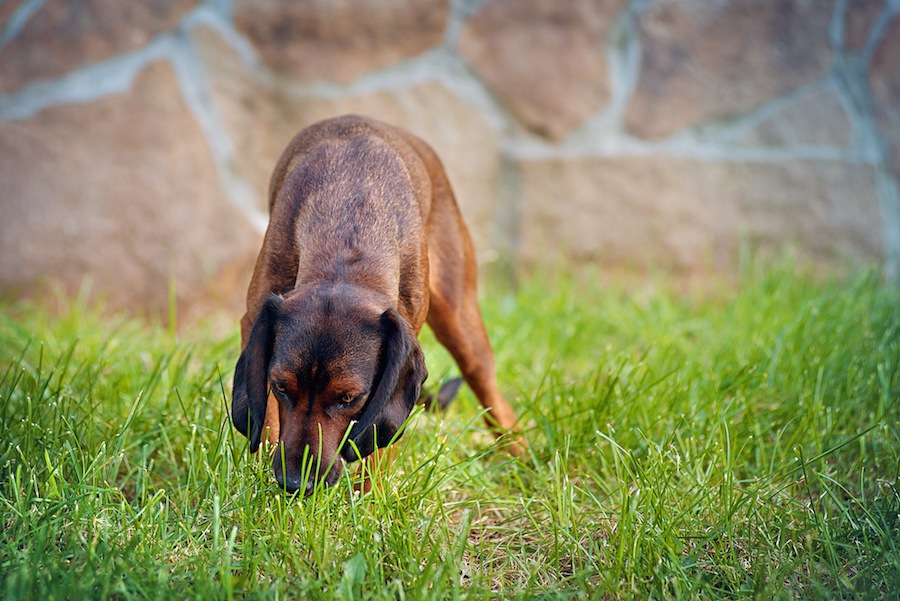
416, 157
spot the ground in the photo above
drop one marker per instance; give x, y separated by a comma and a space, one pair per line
739, 442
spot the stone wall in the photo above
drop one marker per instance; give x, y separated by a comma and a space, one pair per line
136, 138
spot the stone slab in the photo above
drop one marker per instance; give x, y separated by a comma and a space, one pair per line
818, 120
546, 61
338, 40
711, 59
123, 192
66, 34
691, 215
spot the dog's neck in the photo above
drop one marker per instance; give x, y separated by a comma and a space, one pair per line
348, 271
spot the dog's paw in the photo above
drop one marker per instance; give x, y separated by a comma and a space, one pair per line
445, 395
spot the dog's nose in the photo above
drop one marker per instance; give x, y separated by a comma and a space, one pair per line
292, 478
292, 484
287, 480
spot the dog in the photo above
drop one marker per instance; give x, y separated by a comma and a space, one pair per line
365, 243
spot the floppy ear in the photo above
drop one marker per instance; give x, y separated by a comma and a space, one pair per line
396, 392
251, 375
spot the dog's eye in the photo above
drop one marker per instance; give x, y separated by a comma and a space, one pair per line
279, 387
349, 397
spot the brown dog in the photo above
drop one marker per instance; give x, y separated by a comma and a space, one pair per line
365, 243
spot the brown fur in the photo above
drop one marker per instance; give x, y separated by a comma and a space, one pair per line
365, 244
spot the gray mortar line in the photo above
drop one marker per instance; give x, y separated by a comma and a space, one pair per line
623, 59
889, 197
19, 19
713, 140
605, 135
218, 16
414, 71
624, 53
854, 77
836, 26
457, 76
117, 74
110, 76
195, 89
455, 73
888, 13
455, 20
602, 136
223, 8
683, 145
460, 10
725, 130
441, 64
887, 184
85, 84
407, 73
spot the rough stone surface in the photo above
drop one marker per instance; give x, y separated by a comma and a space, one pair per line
546, 61
127, 190
709, 59
339, 40
132, 205
248, 111
7, 10
884, 76
261, 123
817, 120
858, 20
687, 215
66, 34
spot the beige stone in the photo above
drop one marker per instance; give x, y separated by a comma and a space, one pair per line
338, 40
121, 192
262, 121
690, 215
708, 59
7, 10
546, 61
66, 34
816, 120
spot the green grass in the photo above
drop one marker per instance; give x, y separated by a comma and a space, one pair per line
740, 444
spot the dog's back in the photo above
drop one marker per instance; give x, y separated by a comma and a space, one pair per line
354, 129
352, 196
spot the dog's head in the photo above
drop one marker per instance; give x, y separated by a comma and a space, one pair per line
335, 358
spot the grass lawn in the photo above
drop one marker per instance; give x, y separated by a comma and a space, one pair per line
740, 444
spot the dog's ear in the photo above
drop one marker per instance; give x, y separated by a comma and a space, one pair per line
251, 378
397, 389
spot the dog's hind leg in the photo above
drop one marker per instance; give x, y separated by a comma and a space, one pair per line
454, 315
